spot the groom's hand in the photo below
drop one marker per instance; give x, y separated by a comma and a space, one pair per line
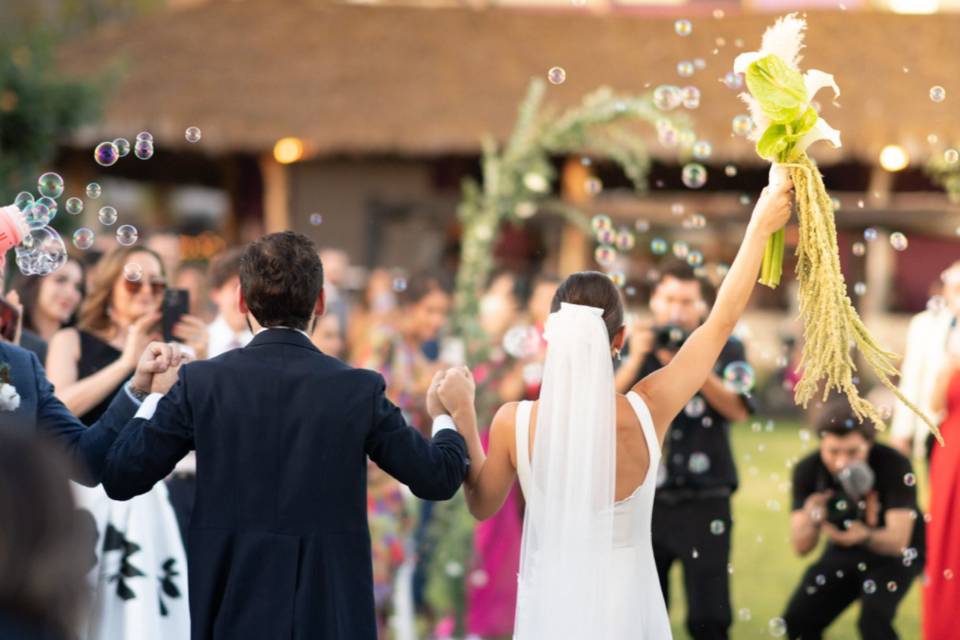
434, 405
155, 359
162, 382
457, 390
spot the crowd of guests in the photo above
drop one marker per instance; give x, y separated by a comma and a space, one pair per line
89, 321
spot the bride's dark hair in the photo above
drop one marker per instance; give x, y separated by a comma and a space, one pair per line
592, 289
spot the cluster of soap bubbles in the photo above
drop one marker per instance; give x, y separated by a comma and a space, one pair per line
42, 250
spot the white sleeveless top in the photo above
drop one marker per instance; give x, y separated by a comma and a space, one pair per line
640, 612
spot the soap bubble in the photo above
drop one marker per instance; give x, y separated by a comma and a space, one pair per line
143, 150
869, 587
556, 75
733, 80
600, 222
593, 185
742, 124
83, 238
681, 249
625, 240
127, 235
107, 216
193, 135
891, 586
685, 68
50, 185
717, 527
23, 200
521, 341
618, 279
690, 97
399, 284
730, 170
695, 407
605, 255
898, 241
74, 206
145, 136
702, 150
859, 249
667, 97
860, 288
910, 480
745, 615
316, 219
642, 226
606, 236
695, 259
106, 154
41, 252
37, 215
123, 146
739, 377
699, 462
938, 93
870, 234
93, 190
132, 272
694, 175
50, 204
951, 156
658, 246
777, 627
683, 27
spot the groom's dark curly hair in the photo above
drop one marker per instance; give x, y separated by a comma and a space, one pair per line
281, 276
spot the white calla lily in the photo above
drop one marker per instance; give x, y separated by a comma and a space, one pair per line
820, 131
814, 80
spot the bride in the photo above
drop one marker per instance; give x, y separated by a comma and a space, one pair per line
587, 456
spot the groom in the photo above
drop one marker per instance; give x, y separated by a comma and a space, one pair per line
279, 542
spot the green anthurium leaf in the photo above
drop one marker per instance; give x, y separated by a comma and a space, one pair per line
773, 143
778, 88
805, 122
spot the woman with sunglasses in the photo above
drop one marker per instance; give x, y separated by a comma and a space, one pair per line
88, 365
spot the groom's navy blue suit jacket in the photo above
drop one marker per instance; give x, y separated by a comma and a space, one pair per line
41, 410
279, 545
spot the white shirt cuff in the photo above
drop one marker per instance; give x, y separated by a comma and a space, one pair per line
149, 406
443, 422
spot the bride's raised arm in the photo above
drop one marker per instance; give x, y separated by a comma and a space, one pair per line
668, 389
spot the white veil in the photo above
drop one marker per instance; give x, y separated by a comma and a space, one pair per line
565, 559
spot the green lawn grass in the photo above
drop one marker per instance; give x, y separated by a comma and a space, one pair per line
765, 569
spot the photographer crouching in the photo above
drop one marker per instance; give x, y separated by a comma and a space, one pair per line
697, 476
862, 496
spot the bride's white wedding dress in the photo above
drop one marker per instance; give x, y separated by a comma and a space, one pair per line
587, 567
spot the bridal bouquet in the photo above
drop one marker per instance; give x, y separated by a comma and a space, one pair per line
786, 124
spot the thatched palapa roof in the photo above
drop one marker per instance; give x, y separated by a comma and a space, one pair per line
409, 81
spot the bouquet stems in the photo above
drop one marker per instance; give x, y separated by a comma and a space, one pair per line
772, 267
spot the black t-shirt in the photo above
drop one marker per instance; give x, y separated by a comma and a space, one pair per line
696, 452
893, 489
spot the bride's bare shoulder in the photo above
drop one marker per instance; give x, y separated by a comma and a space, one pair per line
505, 417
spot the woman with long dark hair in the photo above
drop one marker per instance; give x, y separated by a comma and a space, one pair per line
50, 303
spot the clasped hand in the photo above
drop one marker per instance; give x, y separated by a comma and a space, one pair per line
451, 391
158, 367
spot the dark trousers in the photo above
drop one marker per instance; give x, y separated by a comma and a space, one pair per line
182, 489
683, 532
835, 581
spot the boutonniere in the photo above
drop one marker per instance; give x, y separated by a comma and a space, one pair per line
9, 398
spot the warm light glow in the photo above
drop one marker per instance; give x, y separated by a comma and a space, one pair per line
894, 158
288, 150
914, 6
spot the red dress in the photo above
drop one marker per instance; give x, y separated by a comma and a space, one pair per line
941, 594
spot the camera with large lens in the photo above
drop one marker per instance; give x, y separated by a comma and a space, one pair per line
670, 337
847, 504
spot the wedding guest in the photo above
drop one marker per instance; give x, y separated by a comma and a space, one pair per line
335, 264
372, 318
327, 335
492, 580
941, 589
49, 304
192, 276
538, 310
924, 358
167, 245
43, 555
229, 330
88, 365
697, 475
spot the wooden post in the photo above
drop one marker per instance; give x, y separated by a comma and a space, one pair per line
276, 194
574, 243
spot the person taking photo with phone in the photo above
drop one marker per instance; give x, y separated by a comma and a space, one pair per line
88, 366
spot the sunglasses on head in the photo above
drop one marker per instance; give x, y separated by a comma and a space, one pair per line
157, 287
